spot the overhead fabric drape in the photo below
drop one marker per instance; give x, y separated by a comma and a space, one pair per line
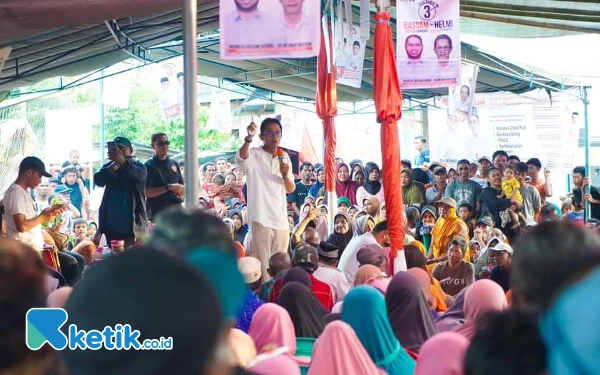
326, 103
388, 108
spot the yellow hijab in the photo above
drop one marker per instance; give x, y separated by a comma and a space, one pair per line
443, 232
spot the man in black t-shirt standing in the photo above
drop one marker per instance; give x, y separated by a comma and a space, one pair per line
164, 185
591, 195
296, 198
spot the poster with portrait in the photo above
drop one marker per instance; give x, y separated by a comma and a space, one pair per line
168, 82
262, 29
461, 96
428, 43
350, 56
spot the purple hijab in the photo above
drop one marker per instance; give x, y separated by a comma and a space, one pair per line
409, 312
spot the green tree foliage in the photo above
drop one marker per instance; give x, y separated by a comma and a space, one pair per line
144, 117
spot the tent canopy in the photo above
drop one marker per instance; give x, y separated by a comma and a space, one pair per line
71, 38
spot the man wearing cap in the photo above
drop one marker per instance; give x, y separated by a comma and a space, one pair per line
485, 162
440, 181
373, 255
543, 186
250, 268
62, 195
122, 213
327, 271
464, 190
306, 230
502, 254
164, 183
22, 221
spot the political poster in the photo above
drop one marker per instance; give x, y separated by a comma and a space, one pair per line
253, 29
428, 43
461, 96
350, 56
168, 83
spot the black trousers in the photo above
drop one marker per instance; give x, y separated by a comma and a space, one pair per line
71, 266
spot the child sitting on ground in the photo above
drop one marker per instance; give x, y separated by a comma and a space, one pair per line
510, 190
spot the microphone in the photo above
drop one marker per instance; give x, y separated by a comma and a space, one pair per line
281, 157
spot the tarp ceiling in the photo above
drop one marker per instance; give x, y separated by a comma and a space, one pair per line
68, 38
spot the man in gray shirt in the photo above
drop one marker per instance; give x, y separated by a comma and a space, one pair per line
436, 192
464, 190
532, 201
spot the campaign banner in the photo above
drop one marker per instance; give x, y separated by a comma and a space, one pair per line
168, 83
461, 96
538, 129
350, 56
253, 29
428, 43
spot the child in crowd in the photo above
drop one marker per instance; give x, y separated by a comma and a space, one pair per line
73, 162
225, 191
510, 190
466, 214
79, 233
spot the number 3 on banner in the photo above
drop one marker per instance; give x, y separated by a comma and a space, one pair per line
427, 12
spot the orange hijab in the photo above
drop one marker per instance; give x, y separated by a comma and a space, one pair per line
443, 232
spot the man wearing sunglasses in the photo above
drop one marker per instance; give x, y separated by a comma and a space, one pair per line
164, 185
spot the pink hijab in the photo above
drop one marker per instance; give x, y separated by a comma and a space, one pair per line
58, 298
272, 328
338, 351
276, 365
482, 296
347, 188
443, 354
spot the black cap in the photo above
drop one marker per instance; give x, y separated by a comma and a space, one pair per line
536, 162
485, 221
328, 250
33, 163
439, 170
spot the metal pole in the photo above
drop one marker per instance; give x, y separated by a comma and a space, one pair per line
102, 127
586, 137
190, 68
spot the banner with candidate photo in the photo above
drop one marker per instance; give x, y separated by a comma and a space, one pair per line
261, 29
168, 83
350, 56
428, 43
460, 97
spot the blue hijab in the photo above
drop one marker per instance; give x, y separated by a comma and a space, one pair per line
574, 348
365, 311
316, 188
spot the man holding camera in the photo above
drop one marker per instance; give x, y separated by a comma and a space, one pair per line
122, 213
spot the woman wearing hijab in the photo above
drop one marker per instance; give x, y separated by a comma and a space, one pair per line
482, 297
303, 308
344, 186
342, 232
338, 351
432, 289
446, 227
409, 311
239, 230
355, 166
359, 178
411, 193
429, 215
364, 224
272, 330
371, 207
443, 354
319, 184
365, 311
372, 186
368, 273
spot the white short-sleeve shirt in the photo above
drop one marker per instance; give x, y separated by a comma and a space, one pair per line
18, 201
267, 202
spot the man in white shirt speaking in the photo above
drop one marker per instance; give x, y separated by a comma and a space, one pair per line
268, 177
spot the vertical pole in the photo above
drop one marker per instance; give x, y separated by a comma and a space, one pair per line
102, 125
190, 68
586, 139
